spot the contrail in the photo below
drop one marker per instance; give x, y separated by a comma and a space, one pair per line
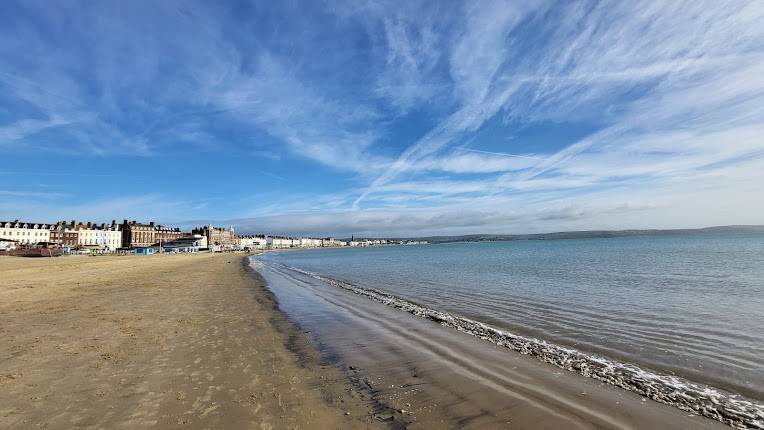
504, 154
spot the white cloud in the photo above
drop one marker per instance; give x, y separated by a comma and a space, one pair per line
411, 58
312, 125
477, 54
25, 127
461, 162
681, 86
686, 203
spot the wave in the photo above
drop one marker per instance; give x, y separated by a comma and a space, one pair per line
725, 407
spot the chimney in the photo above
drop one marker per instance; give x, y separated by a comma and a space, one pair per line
125, 221
151, 223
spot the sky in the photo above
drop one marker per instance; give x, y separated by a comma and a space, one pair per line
380, 118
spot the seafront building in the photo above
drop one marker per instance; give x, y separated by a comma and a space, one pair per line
309, 242
167, 234
66, 234
190, 243
25, 233
100, 237
278, 242
330, 242
136, 235
217, 236
253, 242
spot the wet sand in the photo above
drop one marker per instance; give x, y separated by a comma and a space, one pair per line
441, 378
170, 341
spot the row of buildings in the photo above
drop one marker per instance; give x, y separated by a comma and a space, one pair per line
280, 242
277, 242
135, 235
73, 234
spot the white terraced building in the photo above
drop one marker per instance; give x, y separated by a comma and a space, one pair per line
25, 233
308, 242
253, 242
275, 242
332, 242
103, 236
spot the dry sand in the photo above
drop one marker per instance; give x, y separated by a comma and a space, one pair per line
170, 341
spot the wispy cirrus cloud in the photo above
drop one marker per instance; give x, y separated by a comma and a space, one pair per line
313, 126
410, 76
678, 91
475, 57
147, 90
461, 161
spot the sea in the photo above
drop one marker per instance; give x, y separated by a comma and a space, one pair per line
686, 305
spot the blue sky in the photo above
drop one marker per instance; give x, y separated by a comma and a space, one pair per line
384, 118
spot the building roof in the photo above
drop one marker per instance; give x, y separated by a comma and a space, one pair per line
22, 224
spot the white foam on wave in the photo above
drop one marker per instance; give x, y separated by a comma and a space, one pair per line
727, 408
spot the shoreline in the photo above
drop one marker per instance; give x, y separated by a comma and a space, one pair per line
673, 416
177, 341
199, 341
728, 408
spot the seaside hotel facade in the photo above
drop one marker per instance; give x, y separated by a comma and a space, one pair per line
217, 236
137, 235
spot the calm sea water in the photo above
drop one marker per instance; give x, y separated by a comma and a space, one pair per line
691, 305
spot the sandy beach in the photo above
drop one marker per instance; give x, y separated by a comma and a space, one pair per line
171, 341
199, 341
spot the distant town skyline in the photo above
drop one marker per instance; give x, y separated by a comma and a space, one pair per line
384, 119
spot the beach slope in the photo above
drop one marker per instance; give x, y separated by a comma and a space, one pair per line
170, 341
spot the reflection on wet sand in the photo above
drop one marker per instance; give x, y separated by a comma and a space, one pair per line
434, 377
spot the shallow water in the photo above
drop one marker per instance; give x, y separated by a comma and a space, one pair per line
421, 375
692, 305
